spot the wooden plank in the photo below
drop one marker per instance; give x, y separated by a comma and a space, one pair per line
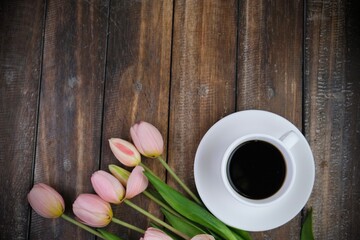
270, 70
68, 146
20, 67
203, 77
332, 111
137, 85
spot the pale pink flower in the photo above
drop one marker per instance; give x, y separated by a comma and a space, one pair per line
120, 173
125, 152
92, 210
46, 201
147, 139
136, 183
203, 237
107, 187
155, 234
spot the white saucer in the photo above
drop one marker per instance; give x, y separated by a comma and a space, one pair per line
212, 189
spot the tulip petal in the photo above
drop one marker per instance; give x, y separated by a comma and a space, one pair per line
125, 152
155, 234
147, 139
107, 187
46, 201
203, 237
155, 140
135, 138
137, 183
92, 210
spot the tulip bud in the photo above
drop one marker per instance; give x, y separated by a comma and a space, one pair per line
137, 183
147, 139
46, 201
203, 237
125, 152
107, 187
92, 210
155, 234
121, 174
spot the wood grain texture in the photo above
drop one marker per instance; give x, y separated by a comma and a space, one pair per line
137, 85
20, 55
75, 73
332, 111
68, 146
270, 57
203, 77
270, 70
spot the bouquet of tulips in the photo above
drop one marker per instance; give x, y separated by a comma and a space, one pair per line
187, 218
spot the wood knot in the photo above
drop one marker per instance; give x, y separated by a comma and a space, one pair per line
203, 90
138, 86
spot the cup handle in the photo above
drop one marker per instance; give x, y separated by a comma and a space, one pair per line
289, 139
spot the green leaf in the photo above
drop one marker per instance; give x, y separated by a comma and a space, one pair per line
307, 229
190, 209
241, 234
108, 236
182, 224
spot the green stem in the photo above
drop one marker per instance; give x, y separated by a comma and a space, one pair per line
160, 203
178, 180
127, 225
155, 219
148, 169
83, 226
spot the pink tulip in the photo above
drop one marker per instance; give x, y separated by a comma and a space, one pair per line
147, 139
155, 234
92, 210
107, 187
46, 201
125, 152
136, 183
203, 237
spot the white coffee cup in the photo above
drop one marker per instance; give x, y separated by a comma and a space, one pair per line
211, 166
283, 145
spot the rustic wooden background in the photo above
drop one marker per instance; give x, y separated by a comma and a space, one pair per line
75, 73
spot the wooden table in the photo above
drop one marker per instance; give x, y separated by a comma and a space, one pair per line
75, 73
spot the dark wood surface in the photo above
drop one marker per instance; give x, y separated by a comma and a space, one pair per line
75, 73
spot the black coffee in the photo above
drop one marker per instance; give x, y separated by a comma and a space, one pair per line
256, 169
